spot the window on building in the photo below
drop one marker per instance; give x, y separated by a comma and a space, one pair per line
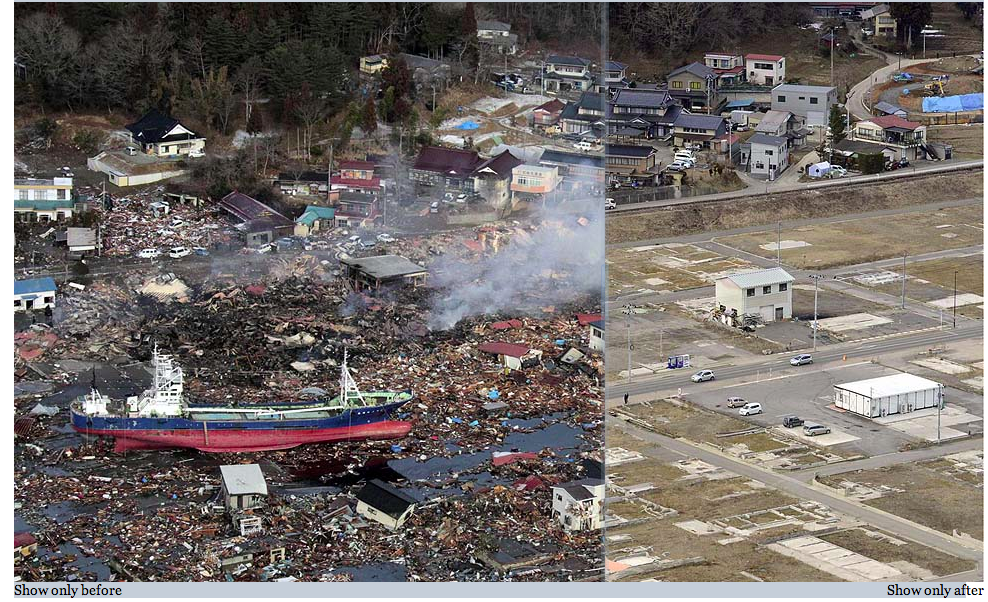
17, 302
783, 287
677, 85
767, 290
694, 85
61, 194
769, 152
781, 98
814, 100
750, 292
22, 194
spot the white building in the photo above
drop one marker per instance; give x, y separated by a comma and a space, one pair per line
385, 504
579, 505
36, 293
498, 36
765, 293
768, 155
895, 394
243, 487
43, 189
597, 335
765, 69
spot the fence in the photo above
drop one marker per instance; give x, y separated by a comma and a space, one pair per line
956, 118
665, 193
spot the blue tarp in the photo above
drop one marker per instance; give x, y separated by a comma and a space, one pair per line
953, 104
468, 125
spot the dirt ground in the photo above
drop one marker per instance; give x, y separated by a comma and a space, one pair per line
967, 140
669, 267
881, 549
929, 498
738, 213
864, 240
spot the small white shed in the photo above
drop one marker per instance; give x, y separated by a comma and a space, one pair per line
895, 394
818, 170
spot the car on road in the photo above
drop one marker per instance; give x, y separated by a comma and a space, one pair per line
461, 198
434, 207
791, 421
751, 408
812, 430
736, 402
179, 252
702, 375
609, 204
385, 238
684, 155
148, 254
803, 358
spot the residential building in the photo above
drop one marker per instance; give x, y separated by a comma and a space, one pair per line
765, 69
879, 19
615, 76
385, 504
631, 163
162, 136
258, 223
305, 183
597, 335
373, 64
766, 294
427, 72
497, 36
43, 199
547, 114
784, 124
728, 67
848, 152
846, 10
78, 240
578, 171
493, 177
579, 505
566, 73
124, 169
314, 219
768, 155
34, 293
25, 545
357, 170
450, 168
702, 130
531, 182
907, 138
637, 115
695, 87
243, 487
512, 356
887, 108
584, 115
811, 103
365, 273
353, 208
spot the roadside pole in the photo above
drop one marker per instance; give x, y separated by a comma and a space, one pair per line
816, 281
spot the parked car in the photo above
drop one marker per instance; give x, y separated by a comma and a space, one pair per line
684, 154
702, 375
836, 171
434, 207
803, 358
367, 244
148, 254
750, 409
179, 252
354, 238
792, 421
812, 430
200, 251
584, 146
196, 154
609, 203
385, 238
736, 402
461, 198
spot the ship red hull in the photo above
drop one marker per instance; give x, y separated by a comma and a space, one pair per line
242, 440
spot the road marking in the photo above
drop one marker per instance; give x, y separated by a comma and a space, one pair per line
755, 382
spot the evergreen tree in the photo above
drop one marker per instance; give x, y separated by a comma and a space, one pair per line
368, 120
838, 123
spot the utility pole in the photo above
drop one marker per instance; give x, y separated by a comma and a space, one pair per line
816, 281
628, 310
833, 44
329, 175
903, 281
778, 245
955, 299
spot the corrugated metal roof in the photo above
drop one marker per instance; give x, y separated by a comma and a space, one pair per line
760, 277
805, 89
35, 285
884, 386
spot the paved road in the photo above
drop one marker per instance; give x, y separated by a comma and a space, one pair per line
797, 488
674, 379
915, 169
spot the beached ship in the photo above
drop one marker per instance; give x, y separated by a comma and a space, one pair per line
161, 417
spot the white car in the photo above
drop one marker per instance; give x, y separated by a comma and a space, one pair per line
148, 254
385, 238
750, 408
801, 359
179, 252
702, 375
836, 171
462, 198
196, 154
684, 155
353, 239
609, 204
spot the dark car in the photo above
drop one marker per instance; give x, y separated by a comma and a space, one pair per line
792, 422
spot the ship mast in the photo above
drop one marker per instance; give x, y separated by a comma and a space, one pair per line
348, 386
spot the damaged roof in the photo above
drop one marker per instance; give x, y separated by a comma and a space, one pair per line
447, 160
243, 479
379, 495
383, 267
502, 348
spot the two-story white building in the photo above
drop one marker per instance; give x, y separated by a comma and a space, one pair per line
497, 35
564, 73
763, 293
906, 138
43, 199
765, 69
597, 335
579, 505
767, 155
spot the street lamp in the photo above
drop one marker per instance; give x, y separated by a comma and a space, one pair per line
955, 299
627, 310
816, 281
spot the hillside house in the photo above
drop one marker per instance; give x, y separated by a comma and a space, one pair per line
493, 178
765, 69
162, 136
810, 103
641, 114
694, 86
627, 163
584, 115
768, 155
728, 67
701, 130
907, 138
567, 73
497, 36
450, 168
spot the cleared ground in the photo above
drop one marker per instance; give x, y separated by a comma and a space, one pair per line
967, 140
667, 267
925, 495
863, 240
886, 548
627, 227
